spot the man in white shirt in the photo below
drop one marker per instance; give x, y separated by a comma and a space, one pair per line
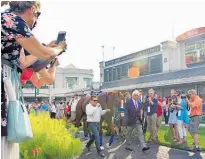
94, 112
73, 108
53, 110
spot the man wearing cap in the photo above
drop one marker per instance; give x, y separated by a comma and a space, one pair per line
134, 110
195, 103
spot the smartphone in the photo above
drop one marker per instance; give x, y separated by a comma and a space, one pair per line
61, 36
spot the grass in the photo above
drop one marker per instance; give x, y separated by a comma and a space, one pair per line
165, 139
202, 120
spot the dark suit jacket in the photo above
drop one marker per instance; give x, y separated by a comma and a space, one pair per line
133, 113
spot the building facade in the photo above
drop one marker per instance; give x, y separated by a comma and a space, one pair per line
68, 79
171, 64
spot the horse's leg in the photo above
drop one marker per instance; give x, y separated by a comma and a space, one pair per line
79, 116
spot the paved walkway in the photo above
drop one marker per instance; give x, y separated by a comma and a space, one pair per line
118, 151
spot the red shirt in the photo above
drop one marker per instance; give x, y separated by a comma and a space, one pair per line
68, 108
159, 108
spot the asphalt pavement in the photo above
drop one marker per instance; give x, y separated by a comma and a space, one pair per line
118, 151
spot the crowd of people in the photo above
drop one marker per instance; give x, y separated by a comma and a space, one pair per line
37, 62
144, 113
56, 109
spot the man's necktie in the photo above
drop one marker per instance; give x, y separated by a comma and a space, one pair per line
136, 105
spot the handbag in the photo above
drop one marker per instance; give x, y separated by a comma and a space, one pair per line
19, 126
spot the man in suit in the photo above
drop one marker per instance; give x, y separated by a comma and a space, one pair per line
134, 110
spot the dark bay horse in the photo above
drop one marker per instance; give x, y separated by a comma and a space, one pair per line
107, 100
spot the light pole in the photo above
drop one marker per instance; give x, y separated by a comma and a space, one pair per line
50, 95
103, 53
113, 52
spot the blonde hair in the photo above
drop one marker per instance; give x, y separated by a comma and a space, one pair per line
136, 92
151, 90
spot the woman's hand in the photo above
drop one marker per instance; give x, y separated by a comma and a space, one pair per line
52, 44
62, 45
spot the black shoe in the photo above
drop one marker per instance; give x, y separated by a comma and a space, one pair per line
129, 149
88, 147
145, 149
101, 154
194, 149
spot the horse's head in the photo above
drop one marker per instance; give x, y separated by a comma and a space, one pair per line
127, 96
114, 99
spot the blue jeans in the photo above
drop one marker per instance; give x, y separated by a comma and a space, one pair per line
94, 127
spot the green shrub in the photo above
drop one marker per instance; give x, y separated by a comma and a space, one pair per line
51, 139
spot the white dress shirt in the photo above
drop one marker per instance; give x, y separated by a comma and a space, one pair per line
135, 103
74, 104
53, 108
94, 113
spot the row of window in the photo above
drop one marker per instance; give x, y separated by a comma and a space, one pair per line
30, 85
71, 82
195, 45
146, 66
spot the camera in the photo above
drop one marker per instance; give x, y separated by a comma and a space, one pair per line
185, 96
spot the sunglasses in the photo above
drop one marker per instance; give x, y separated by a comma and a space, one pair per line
95, 100
37, 14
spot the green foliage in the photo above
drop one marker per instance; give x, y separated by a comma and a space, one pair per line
165, 138
51, 139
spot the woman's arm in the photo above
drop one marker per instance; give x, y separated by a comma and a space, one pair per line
34, 47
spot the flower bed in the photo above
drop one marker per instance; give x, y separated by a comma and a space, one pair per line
51, 139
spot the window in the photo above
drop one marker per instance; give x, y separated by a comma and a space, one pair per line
86, 82
71, 82
106, 75
114, 74
110, 74
44, 87
118, 72
155, 64
28, 85
125, 70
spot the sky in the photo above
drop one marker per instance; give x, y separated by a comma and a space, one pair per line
129, 26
